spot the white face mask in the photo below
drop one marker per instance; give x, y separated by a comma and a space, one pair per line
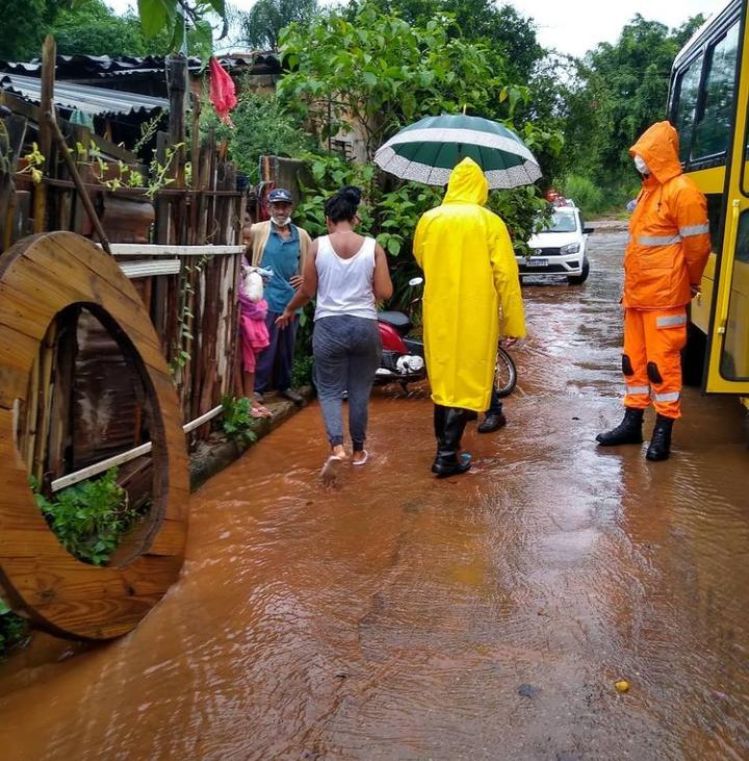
280, 220
640, 165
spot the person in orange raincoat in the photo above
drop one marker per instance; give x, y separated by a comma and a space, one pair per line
471, 296
668, 247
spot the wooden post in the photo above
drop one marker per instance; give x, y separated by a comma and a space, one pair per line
49, 118
176, 83
11, 143
49, 54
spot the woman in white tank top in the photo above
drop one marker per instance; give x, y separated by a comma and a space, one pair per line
349, 274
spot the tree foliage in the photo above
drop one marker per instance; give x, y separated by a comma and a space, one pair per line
375, 70
378, 71
261, 128
91, 27
24, 23
262, 25
622, 89
511, 36
94, 29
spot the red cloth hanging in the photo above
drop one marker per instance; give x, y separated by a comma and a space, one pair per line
222, 92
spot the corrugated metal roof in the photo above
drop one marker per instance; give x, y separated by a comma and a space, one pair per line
88, 66
89, 100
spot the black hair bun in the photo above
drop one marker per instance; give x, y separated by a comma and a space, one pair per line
351, 193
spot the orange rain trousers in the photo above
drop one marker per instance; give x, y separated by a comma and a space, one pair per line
651, 363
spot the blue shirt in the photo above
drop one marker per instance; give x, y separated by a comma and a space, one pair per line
282, 256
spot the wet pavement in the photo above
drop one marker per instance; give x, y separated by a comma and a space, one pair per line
481, 617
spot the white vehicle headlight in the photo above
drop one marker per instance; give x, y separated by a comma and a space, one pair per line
570, 248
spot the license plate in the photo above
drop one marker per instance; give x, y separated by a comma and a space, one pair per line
538, 262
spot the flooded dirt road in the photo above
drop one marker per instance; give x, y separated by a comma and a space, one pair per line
482, 617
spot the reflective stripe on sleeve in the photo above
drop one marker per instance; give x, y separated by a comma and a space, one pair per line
671, 396
632, 390
670, 320
690, 230
658, 240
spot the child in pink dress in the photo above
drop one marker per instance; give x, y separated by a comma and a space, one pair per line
254, 333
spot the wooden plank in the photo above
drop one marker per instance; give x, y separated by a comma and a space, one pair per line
148, 268
137, 249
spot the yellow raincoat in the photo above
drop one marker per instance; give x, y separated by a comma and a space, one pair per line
472, 285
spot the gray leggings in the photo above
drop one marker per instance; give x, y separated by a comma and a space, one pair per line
347, 353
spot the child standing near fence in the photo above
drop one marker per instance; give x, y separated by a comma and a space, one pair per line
253, 309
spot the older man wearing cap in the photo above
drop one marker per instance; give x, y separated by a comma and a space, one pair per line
280, 246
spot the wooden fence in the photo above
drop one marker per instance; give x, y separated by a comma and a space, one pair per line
179, 245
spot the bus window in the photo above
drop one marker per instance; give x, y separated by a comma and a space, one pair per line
712, 131
687, 92
734, 360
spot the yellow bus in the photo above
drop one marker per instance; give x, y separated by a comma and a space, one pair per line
708, 104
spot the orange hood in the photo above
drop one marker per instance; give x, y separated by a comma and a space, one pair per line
659, 147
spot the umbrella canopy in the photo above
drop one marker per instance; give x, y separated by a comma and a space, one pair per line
428, 150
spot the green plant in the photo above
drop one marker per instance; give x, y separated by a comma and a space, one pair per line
89, 518
183, 342
13, 629
301, 371
262, 126
237, 421
34, 161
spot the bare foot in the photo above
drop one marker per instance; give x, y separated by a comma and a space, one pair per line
331, 468
329, 472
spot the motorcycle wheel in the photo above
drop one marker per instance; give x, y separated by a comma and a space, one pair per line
505, 374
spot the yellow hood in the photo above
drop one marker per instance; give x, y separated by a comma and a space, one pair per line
659, 146
467, 184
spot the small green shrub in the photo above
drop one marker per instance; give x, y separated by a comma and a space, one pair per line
237, 421
89, 518
301, 372
13, 629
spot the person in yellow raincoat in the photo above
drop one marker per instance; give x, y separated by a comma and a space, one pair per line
471, 295
669, 244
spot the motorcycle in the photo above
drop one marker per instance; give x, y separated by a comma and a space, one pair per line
403, 355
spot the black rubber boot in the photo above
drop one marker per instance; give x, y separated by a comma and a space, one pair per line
629, 431
492, 422
449, 462
439, 423
660, 442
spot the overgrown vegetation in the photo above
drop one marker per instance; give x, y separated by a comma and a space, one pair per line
237, 421
610, 98
262, 127
89, 518
301, 372
91, 27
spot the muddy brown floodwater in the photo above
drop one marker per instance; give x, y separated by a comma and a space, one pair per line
482, 617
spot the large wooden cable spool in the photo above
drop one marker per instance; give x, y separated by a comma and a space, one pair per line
39, 278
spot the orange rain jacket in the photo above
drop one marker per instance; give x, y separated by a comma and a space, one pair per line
669, 234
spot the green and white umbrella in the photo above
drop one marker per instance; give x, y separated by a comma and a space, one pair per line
428, 150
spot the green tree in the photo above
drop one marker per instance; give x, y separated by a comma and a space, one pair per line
88, 26
508, 33
262, 25
373, 72
261, 128
176, 16
378, 72
622, 89
24, 25
94, 29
